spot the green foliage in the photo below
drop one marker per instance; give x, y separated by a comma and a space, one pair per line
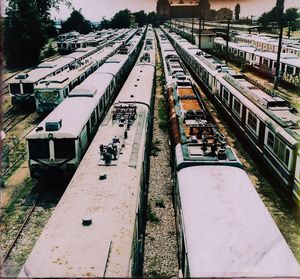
27, 26
163, 116
24, 33
151, 216
121, 19
159, 202
290, 20
76, 22
50, 51
237, 11
155, 148
275, 15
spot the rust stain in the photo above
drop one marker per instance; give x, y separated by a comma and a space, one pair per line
185, 92
190, 105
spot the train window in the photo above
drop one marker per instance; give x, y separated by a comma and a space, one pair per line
290, 70
237, 106
252, 121
15, 88
287, 157
64, 148
28, 88
38, 149
93, 118
226, 95
271, 139
276, 146
281, 151
265, 62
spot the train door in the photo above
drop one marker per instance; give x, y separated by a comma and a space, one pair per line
261, 135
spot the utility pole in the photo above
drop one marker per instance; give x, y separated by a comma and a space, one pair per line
200, 32
193, 29
278, 74
227, 41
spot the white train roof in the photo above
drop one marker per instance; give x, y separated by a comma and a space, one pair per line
229, 232
64, 78
274, 118
43, 69
75, 111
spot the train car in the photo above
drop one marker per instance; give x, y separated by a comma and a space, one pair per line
51, 91
99, 40
265, 61
59, 142
97, 228
223, 228
270, 124
21, 87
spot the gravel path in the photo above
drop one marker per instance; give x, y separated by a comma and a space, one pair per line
160, 258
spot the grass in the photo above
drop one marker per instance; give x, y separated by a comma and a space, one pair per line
162, 116
159, 202
155, 148
151, 216
155, 267
18, 199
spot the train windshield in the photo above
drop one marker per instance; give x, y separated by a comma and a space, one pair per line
15, 88
28, 88
64, 148
38, 149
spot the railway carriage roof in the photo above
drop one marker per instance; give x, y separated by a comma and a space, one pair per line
43, 69
75, 111
261, 113
245, 241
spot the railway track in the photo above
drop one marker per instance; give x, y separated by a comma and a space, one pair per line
33, 208
6, 255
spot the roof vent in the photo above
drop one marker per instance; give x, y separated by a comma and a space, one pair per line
87, 221
102, 177
22, 76
53, 125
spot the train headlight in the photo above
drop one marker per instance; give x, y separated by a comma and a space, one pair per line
50, 136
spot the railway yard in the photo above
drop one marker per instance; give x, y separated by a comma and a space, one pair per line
105, 167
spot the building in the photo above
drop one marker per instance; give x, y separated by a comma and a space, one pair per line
223, 14
183, 9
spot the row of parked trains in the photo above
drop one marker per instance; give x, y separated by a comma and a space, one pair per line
269, 123
265, 61
223, 228
62, 74
97, 228
71, 41
61, 139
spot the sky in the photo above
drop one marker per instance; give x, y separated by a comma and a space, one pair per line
94, 10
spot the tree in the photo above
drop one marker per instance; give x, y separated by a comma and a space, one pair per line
237, 11
140, 18
275, 15
26, 30
76, 22
290, 20
121, 19
104, 24
23, 33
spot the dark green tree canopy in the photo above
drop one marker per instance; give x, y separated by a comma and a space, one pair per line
27, 26
277, 15
237, 11
76, 22
121, 19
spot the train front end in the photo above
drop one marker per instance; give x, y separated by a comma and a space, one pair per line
51, 151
